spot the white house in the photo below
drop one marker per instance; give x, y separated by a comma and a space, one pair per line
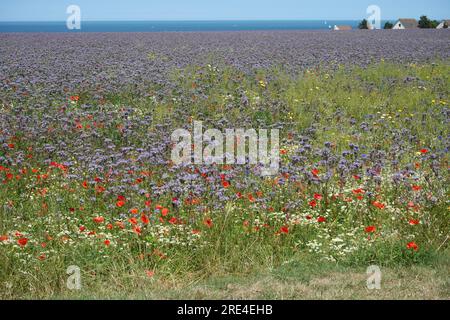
444, 24
402, 24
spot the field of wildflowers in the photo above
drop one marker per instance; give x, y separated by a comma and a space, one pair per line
87, 178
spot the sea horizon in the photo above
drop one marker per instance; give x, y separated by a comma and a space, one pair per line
175, 25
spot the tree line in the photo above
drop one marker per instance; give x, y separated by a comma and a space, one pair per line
423, 23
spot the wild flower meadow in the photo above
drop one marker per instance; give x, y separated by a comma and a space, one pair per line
87, 178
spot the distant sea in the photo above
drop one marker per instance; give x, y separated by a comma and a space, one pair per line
163, 26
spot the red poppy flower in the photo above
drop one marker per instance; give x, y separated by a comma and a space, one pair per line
99, 189
164, 212
308, 217
208, 222
107, 242
413, 222
370, 229
412, 245
284, 229
149, 273
109, 226
358, 191
313, 203
321, 219
315, 172
416, 188
225, 184
317, 196
423, 151
121, 198
133, 220
379, 205
22, 242
250, 197
120, 225
120, 203
99, 219
82, 228
137, 230
134, 211
145, 219
173, 220
58, 165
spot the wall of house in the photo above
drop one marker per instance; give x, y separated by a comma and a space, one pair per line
398, 25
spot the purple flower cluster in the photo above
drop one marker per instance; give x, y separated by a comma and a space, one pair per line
56, 63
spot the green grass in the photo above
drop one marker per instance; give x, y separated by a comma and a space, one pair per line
295, 279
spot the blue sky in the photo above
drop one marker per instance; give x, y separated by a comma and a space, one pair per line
55, 10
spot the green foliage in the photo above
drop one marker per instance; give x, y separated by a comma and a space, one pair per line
364, 24
426, 23
388, 25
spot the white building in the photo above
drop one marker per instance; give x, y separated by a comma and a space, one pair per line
402, 24
444, 24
